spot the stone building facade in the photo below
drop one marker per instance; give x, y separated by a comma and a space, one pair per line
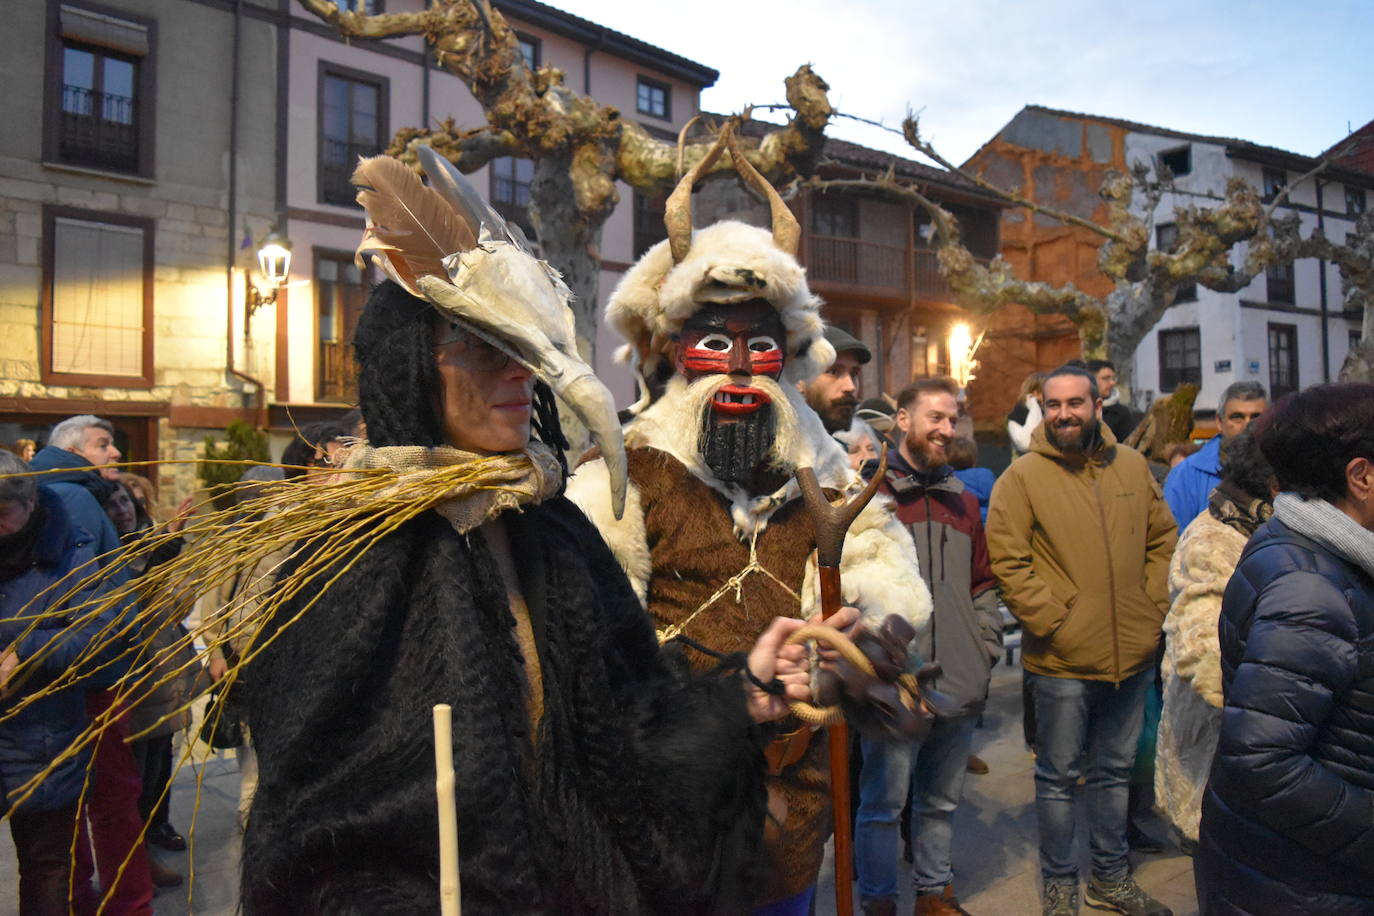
115, 232
163, 139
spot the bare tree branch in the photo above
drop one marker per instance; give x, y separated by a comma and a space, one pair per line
580, 148
378, 25
469, 150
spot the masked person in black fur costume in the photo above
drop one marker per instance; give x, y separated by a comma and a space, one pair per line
594, 774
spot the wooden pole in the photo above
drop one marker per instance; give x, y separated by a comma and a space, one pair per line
830, 523
450, 898
838, 736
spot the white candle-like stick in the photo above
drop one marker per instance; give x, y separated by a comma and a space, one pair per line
450, 898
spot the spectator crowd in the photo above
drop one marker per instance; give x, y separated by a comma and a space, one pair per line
1197, 632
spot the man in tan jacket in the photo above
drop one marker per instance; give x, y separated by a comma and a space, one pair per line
1080, 539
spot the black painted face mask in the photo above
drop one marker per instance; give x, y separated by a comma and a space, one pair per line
736, 450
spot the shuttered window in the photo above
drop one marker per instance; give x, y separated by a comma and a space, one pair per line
98, 281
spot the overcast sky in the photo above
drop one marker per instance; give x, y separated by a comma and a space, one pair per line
1287, 74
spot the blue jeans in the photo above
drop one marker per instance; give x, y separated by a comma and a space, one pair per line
934, 772
1087, 728
797, 905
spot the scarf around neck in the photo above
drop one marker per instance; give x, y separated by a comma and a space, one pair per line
1322, 522
496, 483
1237, 509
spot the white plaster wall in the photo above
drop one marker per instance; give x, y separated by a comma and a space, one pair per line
1229, 331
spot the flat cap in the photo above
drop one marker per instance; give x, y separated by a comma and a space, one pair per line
844, 342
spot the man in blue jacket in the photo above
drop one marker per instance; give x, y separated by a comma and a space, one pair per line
1194, 478
75, 446
39, 546
82, 451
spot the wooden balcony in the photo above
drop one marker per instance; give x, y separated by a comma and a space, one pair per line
877, 273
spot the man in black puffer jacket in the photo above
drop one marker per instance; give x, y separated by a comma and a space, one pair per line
1288, 819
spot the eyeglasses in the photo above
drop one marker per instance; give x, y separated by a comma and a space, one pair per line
472, 351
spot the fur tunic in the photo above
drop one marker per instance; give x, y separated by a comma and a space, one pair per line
682, 539
641, 792
1190, 722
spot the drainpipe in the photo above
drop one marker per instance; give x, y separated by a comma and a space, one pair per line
587, 62
261, 391
424, 84
1321, 280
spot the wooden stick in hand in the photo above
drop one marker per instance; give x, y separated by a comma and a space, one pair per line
450, 898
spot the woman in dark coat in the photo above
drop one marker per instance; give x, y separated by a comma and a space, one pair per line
39, 546
594, 775
1288, 818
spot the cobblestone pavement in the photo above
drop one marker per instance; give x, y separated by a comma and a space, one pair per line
994, 855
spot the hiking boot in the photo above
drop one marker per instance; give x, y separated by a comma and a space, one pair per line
942, 904
878, 906
1124, 896
1061, 899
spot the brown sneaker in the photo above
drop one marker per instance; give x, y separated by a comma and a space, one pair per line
977, 765
944, 904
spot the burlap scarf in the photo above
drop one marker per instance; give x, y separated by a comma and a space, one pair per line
494, 483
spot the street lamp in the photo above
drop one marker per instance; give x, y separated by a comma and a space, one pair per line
274, 265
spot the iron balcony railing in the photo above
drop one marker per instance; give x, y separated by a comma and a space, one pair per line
98, 129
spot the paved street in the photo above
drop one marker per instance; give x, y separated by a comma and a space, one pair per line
995, 854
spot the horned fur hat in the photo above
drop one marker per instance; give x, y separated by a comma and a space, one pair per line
726, 262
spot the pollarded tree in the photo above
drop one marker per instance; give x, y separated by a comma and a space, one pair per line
579, 147
1146, 281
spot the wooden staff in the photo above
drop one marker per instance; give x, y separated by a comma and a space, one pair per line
831, 523
450, 898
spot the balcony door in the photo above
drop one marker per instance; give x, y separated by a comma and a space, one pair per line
340, 292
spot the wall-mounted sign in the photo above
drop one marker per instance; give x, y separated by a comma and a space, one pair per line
1253, 367
1222, 365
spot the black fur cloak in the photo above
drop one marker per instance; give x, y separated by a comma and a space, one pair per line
641, 793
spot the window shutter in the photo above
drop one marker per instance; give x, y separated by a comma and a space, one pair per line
104, 31
97, 326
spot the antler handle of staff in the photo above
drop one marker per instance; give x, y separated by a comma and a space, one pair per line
450, 897
831, 523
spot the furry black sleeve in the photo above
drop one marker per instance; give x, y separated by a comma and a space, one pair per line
691, 754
